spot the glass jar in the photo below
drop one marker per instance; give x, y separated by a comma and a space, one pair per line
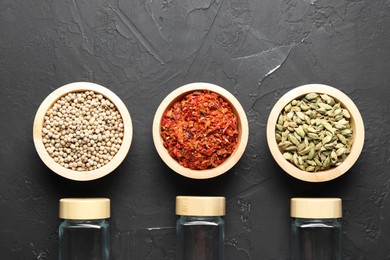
84, 232
200, 229
316, 228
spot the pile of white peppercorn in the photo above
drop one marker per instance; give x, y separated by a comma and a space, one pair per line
82, 131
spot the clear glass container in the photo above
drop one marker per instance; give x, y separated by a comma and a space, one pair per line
200, 229
84, 233
316, 229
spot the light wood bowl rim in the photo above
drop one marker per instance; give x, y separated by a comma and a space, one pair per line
178, 94
86, 175
357, 136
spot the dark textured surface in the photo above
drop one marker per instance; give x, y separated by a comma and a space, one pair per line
142, 50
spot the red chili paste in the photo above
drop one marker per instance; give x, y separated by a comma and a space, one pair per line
200, 131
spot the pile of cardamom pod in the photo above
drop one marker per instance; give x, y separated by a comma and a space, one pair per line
314, 132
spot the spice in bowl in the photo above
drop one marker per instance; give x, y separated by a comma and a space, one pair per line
82, 131
200, 131
314, 132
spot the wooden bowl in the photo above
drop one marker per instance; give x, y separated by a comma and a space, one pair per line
179, 94
356, 123
84, 175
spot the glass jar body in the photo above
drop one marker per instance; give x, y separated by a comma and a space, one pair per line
84, 239
318, 239
200, 238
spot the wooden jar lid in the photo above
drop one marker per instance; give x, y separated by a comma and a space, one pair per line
84, 208
200, 206
317, 208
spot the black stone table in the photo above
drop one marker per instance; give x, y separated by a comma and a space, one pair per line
144, 49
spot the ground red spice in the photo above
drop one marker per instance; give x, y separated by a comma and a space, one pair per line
200, 131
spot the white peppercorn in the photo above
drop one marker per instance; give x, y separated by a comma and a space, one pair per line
82, 131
